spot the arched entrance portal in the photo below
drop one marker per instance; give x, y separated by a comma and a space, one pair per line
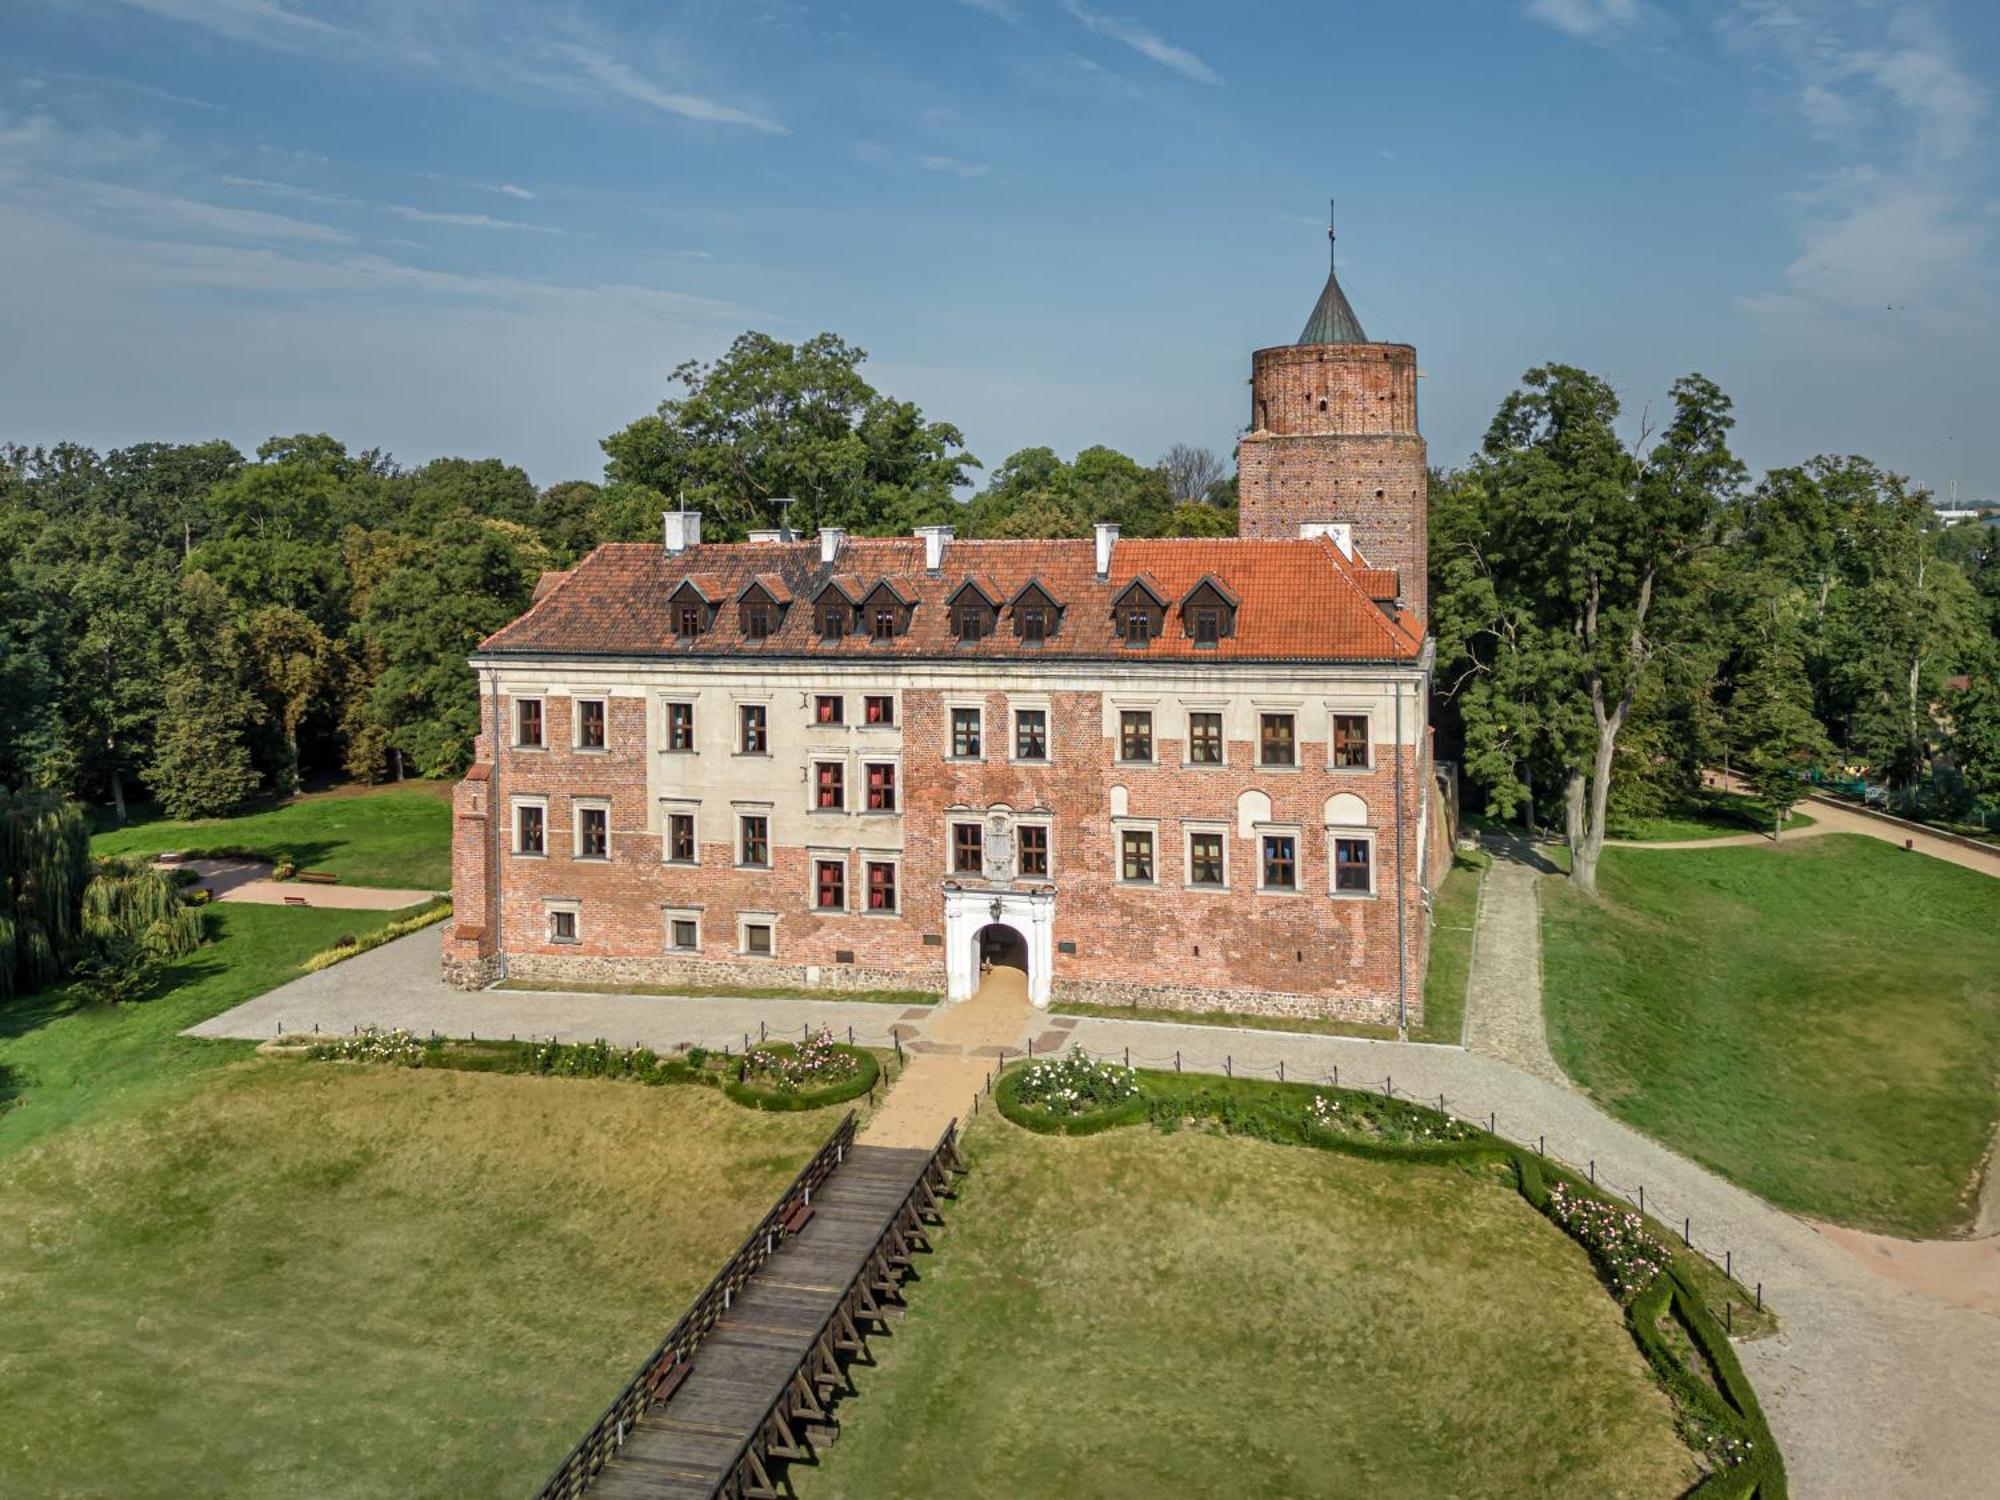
1001, 947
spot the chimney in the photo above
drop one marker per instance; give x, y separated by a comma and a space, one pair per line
681, 529
1107, 538
830, 538
772, 534
1338, 532
935, 538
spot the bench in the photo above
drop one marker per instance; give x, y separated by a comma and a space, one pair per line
797, 1219
317, 877
295, 901
667, 1381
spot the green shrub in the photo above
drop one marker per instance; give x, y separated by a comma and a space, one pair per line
783, 1076
348, 945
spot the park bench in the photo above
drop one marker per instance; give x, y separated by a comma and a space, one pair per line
295, 901
669, 1380
797, 1219
317, 877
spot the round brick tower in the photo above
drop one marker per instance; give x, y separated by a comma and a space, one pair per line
1333, 438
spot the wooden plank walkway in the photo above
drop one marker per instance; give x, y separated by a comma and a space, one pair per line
758, 1365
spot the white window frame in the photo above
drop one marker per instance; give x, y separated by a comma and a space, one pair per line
1119, 828
578, 806
1361, 711
667, 707
574, 910
672, 914
846, 764
542, 701
1290, 831
670, 808
1048, 826
1366, 835
741, 729
895, 710
576, 743
813, 720
1275, 710
745, 920
1219, 829
1014, 757
868, 763
1118, 734
1188, 711
514, 827
952, 824
753, 810
814, 859
952, 709
867, 857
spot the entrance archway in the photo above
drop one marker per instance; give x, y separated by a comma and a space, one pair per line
1009, 917
996, 945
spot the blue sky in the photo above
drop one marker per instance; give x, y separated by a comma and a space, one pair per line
493, 227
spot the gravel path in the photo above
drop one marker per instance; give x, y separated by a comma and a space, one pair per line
1503, 1008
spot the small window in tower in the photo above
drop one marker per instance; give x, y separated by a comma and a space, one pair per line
1322, 403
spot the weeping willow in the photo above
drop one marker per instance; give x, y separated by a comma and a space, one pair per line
58, 908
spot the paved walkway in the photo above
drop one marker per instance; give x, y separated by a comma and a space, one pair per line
1874, 1388
949, 1064
1504, 1000
250, 880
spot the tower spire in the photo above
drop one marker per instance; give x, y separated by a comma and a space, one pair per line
1332, 320
1332, 259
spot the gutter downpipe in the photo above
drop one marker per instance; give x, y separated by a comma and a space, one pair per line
493, 879
1402, 889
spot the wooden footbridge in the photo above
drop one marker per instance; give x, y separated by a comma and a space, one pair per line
747, 1378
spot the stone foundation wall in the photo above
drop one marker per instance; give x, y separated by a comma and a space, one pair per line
471, 973
1373, 1010
703, 974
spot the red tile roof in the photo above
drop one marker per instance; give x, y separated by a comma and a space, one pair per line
1299, 600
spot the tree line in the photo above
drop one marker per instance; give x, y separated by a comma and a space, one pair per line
183, 622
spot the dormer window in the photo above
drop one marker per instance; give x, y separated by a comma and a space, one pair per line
1138, 627
756, 620
882, 626
1036, 615
1207, 627
1208, 610
1139, 614
970, 624
1034, 625
885, 612
973, 614
832, 620
687, 621
690, 611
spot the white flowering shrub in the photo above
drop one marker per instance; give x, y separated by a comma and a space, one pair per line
1615, 1236
1074, 1085
816, 1063
372, 1044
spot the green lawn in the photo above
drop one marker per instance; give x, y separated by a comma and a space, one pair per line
1712, 814
61, 1062
329, 1279
1191, 1315
1311, 1024
1456, 904
398, 839
1818, 1021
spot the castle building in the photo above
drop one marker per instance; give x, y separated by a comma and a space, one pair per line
1184, 774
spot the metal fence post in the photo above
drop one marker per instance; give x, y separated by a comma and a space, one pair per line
1687, 1230
762, 1034
1128, 1057
1177, 1060
1228, 1066
1281, 1070
1642, 1197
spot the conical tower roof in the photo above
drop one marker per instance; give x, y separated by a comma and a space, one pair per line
1332, 320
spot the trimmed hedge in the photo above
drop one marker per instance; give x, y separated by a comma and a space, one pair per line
867, 1072
546, 1059
1722, 1421
435, 910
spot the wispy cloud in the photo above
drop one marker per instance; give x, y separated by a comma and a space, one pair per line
174, 214
260, 23
288, 190
507, 188
603, 71
98, 80
1585, 18
463, 221
956, 166
1003, 10
1144, 41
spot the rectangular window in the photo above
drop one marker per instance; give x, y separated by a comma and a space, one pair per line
680, 838
829, 785
968, 848
1207, 627
1034, 625
1138, 627
881, 885
562, 926
1205, 739
829, 708
829, 885
683, 934
1354, 865
755, 729
1135, 855
590, 724
1281, 862
1135, 734
884, 626
687, 621
1275, 742
881, 787
680, 727
756, 841
1031, 734
832, 621
965, 734
971, 623
1205, 859
593, 833
879, 708
1032, 850
530, 830
757, 939
528, 723
1350, 741
756, 620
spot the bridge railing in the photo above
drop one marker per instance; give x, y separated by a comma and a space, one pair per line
574, 1474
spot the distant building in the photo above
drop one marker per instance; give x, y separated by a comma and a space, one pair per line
1172, 773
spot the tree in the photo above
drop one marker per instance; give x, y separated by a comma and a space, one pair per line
44, 867
1576, 554
771, 419
1193, 474
1775, 726
292, 661
201, 765
1975, 741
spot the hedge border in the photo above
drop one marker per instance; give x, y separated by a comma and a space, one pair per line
1731, 1404
432, 912
866, 1077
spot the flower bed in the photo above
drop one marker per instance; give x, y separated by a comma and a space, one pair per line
1070, 1095
1630, 1258
808, 1075
551, 1059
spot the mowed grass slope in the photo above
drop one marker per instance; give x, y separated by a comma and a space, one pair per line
1818, 1021
397, 839
329, 1279
1191, 1315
